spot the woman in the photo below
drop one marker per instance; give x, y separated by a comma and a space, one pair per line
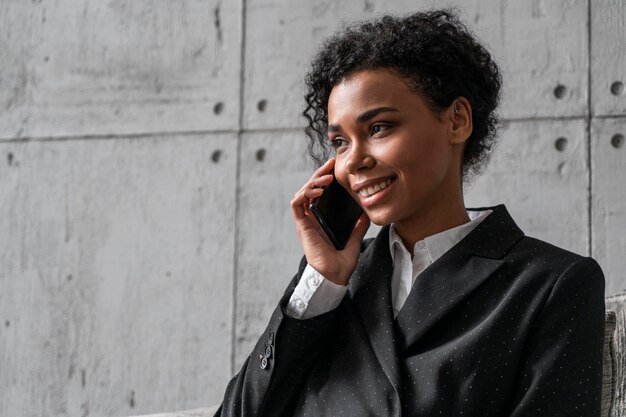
448, 311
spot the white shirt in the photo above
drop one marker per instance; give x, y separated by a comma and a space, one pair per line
315, 295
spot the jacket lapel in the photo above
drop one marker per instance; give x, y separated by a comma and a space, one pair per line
370, 289
454, 276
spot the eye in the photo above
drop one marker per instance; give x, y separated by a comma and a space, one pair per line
338, 142
377, 128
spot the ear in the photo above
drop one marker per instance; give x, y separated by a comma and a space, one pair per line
460, 117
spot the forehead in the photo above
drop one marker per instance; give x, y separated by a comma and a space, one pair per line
362, 90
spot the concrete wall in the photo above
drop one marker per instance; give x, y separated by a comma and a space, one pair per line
149, 150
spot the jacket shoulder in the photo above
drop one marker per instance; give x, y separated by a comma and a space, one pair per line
543, 255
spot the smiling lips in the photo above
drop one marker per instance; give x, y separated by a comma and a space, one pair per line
371, 190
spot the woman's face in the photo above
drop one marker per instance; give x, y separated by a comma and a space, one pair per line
398, 158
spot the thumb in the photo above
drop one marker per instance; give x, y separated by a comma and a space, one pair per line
362, 224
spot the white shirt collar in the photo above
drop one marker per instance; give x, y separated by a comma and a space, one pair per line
441, 242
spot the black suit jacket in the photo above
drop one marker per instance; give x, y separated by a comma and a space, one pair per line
501, 325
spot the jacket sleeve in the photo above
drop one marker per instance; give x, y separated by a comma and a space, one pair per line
268, 382
561, 372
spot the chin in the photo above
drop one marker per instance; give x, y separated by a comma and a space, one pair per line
380, 219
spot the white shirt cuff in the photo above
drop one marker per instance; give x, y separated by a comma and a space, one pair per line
314, 295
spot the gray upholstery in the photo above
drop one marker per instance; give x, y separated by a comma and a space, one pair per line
616, 354
608, 375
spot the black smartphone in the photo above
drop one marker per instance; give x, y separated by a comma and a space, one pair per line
337, 213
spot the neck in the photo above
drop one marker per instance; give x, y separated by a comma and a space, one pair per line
430, 221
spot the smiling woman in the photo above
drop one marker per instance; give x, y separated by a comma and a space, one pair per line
386, 134
449, 310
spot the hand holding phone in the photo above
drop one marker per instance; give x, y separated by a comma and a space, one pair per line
331, 238
337, 213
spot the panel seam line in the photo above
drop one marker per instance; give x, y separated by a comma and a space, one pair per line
240, 132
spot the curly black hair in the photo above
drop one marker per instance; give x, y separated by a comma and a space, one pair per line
438, 56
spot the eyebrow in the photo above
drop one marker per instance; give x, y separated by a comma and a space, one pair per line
365, 116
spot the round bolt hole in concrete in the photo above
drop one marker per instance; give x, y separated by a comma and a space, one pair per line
617, 141
559, 91
560, 144
617, 88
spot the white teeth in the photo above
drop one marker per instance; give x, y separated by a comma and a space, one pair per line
366, 192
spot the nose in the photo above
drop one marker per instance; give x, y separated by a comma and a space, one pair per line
358, 158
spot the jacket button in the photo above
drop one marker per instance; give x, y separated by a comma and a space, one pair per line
264, 363
268, 351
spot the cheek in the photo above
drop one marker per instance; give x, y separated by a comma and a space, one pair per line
403, 159
341, 173
421, 157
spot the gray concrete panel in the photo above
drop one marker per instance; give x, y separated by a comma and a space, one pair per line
540, 45
116, 279
545, 189
608, 57
273, 167
608, 163
117, 67
542, 49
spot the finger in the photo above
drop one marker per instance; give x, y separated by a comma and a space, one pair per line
297, 211
324, 169
298, 205
312, 193
302, 200
312, 184
305, 195
311, 233
322, 181
312, 189
362, 224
